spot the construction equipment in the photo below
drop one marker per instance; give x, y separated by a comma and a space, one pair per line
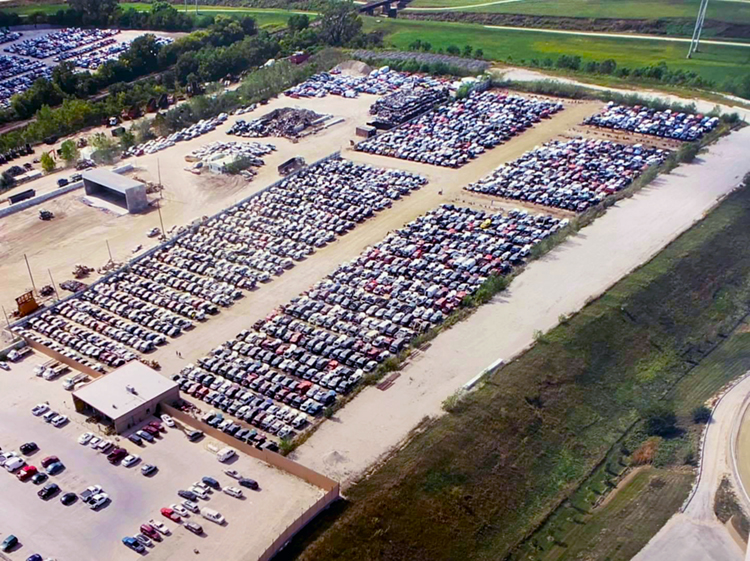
26, 304
45, 215
81, 271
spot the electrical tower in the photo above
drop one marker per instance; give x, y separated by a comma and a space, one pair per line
698, 28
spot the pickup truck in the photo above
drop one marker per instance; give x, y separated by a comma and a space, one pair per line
17, 354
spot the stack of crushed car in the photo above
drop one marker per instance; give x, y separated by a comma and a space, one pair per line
405, 104
643, 120
573, 175
284, 122
453, 134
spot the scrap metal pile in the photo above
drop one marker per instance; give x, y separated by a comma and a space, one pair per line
405, 104
573, 175
643, 120
286, 122
378, 82
455, 133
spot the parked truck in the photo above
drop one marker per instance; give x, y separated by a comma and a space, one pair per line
16, 355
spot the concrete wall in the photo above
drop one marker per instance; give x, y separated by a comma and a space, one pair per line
28, 203
136, 199
62, 358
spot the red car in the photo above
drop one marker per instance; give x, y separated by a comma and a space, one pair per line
171, 514
158, 426
26, 472
116, 455
49, 460
151, 532
151, 430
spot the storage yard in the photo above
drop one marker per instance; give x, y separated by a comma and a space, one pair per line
269, 302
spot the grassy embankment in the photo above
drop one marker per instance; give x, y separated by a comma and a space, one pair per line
478, 482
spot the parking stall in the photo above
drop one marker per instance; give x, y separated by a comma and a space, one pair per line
453, 134
643, 120
59, 42
572, 175
165, 292
274, 378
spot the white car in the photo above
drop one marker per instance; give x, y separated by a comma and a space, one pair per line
144, 540
5, 456
233, 473
130, 459
169, 421
94, 442
160, 527
233, 492
40, 409
84, 438
179, 509
4, 365
60, 420
104, 446
202, 485
98, 500
199, 491
49, 416
191, 506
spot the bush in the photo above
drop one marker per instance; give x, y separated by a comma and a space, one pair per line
701, 414
661, 421
69, 151
48, 164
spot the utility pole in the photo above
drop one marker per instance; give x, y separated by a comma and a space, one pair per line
109, 251
33, 286
695, 40
53, 284
161, 187
158, 207
6, 316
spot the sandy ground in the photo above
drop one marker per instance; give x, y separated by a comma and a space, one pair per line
76, 533
695, 534
560, 283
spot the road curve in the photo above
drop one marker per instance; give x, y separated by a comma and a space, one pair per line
695, 534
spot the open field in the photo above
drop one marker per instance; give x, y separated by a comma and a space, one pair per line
736, 12
75, 532
524, 440
520, 46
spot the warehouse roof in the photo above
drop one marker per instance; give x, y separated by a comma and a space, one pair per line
111, 180
118, 393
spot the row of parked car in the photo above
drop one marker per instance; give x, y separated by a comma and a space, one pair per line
58, 42
320, 344
644, 120
200, 128
17, 74
573, 175
163, 294
380, 81
451, 135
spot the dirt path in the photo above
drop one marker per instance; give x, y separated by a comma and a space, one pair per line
583, 267
460, 8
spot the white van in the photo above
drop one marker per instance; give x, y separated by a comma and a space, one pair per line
225, 454
14, 464
212, 515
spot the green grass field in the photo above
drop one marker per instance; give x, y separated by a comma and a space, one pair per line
478, 481
733, 12
518, 46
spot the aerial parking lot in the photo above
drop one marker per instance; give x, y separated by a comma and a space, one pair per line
76, 532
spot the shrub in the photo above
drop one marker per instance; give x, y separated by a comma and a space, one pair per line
661, 421
701, 414
48, 164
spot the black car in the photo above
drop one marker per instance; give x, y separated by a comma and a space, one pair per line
194, 435
48, 491
189, 495
135, 439
249, 483
39, 478
68, 498
29, 447
211, 482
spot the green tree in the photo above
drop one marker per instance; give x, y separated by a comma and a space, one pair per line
467, 51
94, 11
298, 22
65, 77
661, 421
340, 23
106, 148
69, 151
479, 53
453, 50
48, 164
127, 139
701, 414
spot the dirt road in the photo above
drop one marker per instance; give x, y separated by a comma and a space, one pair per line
583, 267
695, 534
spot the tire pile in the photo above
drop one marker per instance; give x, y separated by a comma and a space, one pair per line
454, 134
405, 104
320, 344
572, 175
285, 122
667, 124
164, 293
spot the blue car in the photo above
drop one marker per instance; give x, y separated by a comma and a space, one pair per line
133, 544
54, 469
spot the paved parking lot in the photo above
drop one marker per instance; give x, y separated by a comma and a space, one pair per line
77, 533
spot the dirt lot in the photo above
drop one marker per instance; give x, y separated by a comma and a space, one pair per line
76, 533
